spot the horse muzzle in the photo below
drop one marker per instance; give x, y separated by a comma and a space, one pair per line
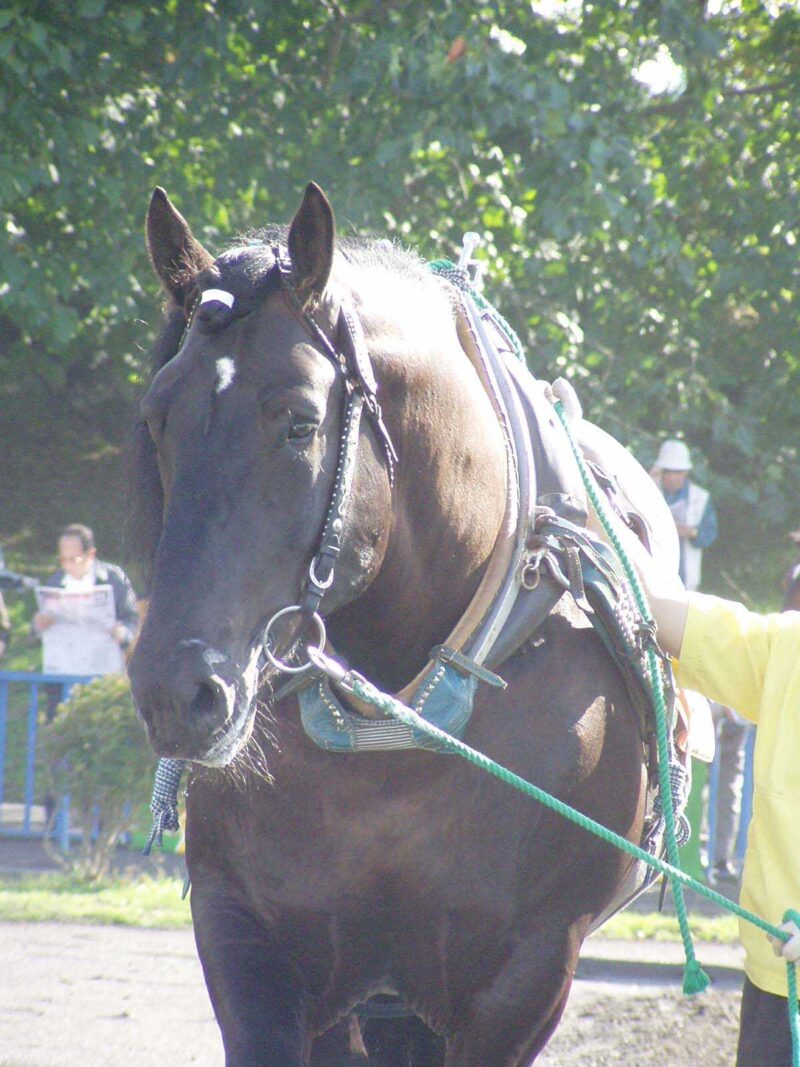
196, 705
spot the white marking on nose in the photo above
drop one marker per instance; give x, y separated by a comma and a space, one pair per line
226, 372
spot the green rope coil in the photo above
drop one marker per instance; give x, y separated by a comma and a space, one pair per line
695, 979
791, 981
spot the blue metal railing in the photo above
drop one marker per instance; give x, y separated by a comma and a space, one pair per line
35, 683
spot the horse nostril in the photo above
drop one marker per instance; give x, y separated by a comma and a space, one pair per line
203, 703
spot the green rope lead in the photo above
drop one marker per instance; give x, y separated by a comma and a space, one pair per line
694, 978
392, 707
691, 973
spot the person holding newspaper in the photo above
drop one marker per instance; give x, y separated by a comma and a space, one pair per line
87, 612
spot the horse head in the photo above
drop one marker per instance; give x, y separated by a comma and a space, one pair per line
239, 447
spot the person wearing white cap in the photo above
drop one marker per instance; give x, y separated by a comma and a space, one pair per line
691, 507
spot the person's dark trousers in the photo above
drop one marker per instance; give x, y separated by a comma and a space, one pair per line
765, 1039
55, 694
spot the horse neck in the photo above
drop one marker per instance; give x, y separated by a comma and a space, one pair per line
449, 503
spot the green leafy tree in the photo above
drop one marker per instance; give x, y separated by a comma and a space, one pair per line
643, 242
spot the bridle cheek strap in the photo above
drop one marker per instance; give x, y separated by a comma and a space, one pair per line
321, 568
361, 391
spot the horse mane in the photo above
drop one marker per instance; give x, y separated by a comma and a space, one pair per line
251, 256
247, 260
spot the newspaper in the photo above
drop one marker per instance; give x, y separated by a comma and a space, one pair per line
79, 641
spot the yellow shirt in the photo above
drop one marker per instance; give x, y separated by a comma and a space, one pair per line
752, 662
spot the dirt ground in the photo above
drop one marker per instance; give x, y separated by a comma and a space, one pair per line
665, 1029
627, 1008
92, 996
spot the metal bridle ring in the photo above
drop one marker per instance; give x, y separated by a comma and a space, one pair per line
278, 663
531, 575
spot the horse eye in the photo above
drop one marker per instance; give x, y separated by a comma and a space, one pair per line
301, 431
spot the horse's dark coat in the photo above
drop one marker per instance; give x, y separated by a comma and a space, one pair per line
335, 877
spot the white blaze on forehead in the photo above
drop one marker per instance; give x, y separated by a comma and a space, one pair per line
226, 372
221, 295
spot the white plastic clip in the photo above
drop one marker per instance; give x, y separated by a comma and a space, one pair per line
469, 243
564, 391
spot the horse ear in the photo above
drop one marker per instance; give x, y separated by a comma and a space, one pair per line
311, 237
176, 253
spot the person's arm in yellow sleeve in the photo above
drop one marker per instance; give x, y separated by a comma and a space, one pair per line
722, 648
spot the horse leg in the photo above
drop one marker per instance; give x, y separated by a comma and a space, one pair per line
508, 1023
255, 999
402, 1042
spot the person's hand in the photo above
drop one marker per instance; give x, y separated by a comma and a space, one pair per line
42, 621
790, 950
119, 633
686, 533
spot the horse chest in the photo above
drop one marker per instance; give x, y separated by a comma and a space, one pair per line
360, 837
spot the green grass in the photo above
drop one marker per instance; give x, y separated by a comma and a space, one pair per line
654, 926
144, 901
156, 902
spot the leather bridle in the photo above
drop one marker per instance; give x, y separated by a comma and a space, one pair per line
351, 358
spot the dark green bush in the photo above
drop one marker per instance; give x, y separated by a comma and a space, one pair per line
96, 752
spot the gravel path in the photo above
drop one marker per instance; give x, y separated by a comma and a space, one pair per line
86, 996
99, 996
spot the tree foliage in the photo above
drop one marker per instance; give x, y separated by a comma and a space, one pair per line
643, 243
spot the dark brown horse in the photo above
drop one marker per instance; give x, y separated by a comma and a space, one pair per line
320, 879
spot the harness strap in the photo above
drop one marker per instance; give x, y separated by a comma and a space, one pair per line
465, 665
